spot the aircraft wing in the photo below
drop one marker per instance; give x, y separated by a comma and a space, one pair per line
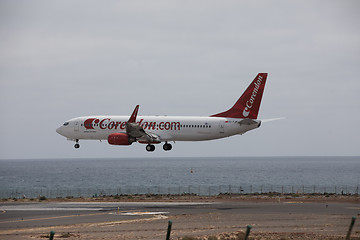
150, 138
133, 129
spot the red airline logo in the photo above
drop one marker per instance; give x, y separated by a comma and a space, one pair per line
89, 123
107, 123
250, 102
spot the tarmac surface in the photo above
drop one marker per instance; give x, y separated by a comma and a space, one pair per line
148, 220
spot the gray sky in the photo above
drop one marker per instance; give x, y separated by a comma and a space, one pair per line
64, 59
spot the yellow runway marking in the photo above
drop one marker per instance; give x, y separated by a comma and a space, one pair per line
38, 219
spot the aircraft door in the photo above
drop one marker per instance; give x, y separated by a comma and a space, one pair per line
222, 127
76, 126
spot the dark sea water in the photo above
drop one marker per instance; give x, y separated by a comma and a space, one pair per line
58, 177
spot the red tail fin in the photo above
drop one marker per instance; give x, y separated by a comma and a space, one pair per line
247, 106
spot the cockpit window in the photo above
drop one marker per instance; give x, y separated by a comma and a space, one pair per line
67, 123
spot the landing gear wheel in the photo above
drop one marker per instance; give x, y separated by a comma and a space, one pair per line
150, 148
167, 147
77, 145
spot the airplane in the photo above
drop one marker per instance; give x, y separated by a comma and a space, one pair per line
150, 130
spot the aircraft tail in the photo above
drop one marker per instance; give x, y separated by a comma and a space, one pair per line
247, 106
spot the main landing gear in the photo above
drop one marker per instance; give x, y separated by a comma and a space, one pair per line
77, 145
151, 147
167, 146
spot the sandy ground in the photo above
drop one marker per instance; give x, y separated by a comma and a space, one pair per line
224, 226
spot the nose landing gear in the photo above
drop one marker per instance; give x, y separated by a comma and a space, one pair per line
77, 145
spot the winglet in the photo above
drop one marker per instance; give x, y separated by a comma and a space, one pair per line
134, 114
247, 106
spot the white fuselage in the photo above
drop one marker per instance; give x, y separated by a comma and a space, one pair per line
168, 128
125, 130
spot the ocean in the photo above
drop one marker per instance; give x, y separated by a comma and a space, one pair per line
203, 176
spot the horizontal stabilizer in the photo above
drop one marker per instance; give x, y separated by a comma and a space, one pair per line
248, 121
272, 119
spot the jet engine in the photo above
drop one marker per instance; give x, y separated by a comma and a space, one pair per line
120, 139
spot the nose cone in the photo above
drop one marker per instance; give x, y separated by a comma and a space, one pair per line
60, 131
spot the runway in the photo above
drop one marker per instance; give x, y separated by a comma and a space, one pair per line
146, 220
31, 215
